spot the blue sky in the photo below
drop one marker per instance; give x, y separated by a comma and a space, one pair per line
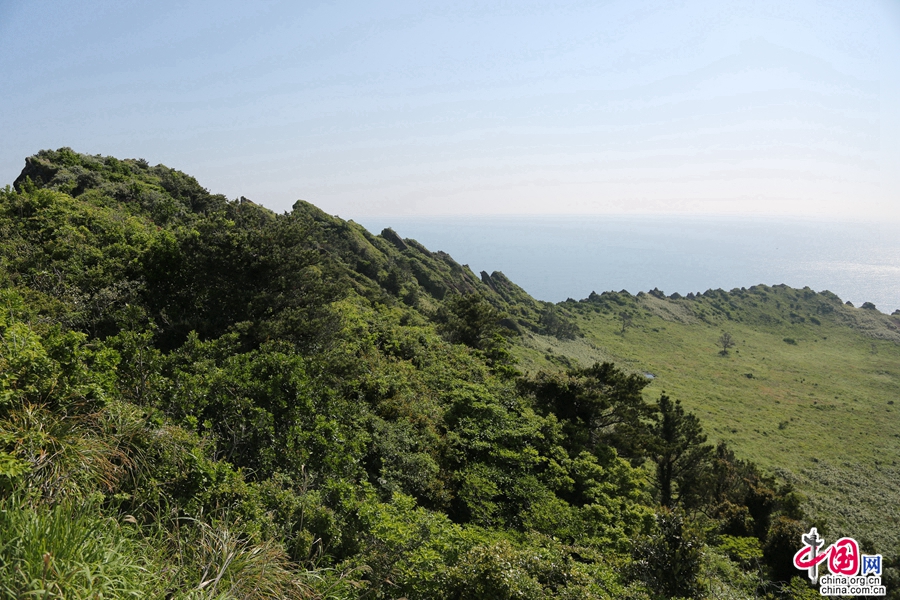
412, 108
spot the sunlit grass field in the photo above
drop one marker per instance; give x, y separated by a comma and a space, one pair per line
811, 390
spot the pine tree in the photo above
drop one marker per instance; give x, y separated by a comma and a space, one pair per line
678, 446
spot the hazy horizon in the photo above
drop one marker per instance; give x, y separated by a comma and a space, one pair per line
558, 257
400, 109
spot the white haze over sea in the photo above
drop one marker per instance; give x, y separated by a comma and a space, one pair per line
559, 257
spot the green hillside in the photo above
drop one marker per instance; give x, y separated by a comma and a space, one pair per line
200, 398
811, 389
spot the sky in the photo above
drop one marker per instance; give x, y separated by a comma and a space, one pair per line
716, 107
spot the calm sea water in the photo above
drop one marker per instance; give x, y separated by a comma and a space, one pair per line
554, 258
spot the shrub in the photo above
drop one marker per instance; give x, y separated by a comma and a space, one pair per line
669, 562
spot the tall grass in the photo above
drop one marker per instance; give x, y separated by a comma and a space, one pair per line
59, 538
67, 455
69, 551
217, 562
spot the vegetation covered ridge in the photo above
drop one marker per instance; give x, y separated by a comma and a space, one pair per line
200, 398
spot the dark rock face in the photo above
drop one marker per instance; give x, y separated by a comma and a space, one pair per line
506, 289
391, 236
848, 303
39, 171
486, 279
868, 306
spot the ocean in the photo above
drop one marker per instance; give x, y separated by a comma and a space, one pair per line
558, 257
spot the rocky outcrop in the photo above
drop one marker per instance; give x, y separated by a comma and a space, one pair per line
391, 236
41, 172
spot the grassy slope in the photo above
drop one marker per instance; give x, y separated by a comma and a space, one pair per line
823, 411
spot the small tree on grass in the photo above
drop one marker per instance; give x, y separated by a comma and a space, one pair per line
626, 319
726, 341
